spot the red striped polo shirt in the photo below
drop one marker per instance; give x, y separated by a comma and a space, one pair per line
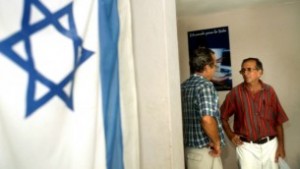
255, 116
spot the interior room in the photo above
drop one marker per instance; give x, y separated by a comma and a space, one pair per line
268, 30
125, 60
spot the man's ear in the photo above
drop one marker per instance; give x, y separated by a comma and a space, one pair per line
206, 67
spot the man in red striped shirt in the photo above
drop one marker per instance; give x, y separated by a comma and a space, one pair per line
258, 117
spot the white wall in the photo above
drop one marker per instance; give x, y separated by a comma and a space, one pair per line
158, 84
271, 33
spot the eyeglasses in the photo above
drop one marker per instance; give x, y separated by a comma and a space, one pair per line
216, 66
213, 65
243, 70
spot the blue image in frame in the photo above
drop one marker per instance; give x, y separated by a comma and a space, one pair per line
217, 39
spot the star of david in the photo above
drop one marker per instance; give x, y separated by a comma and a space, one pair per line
27, 29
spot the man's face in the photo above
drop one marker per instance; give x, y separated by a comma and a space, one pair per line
250, 72
212, 70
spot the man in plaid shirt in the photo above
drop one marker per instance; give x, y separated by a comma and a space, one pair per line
203, 134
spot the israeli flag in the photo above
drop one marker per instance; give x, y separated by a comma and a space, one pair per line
67, 85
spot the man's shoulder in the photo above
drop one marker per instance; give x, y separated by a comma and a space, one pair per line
195, 81
237, 87
268, 88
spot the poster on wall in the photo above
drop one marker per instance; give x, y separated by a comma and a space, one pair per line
217, 39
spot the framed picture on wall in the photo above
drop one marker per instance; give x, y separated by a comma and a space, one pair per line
217, 39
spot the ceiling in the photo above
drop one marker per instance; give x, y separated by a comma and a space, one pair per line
198, 7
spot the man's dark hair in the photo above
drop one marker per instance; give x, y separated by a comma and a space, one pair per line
259, 64
201, 57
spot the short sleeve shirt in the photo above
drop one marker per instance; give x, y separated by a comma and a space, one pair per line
255, 116
199, 98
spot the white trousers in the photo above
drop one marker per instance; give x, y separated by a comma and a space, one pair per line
257, 156
196, 158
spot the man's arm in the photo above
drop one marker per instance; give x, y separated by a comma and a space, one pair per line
210, 127
227, 110
280, 149
235, 139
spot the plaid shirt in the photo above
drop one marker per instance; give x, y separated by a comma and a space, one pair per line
255, 116
199, 98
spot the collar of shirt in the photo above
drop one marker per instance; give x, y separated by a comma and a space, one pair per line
263, 85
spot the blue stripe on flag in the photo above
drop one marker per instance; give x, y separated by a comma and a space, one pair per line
109, 36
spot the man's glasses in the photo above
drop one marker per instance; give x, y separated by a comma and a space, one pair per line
213, 65
243, 70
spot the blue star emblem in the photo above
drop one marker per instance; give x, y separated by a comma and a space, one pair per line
24, 35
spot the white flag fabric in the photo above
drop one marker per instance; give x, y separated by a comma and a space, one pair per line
67, 85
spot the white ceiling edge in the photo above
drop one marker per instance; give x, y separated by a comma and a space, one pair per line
187, 8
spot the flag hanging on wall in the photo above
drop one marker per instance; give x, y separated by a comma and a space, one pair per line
64, 102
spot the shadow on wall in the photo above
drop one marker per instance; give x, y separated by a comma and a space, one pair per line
228, 155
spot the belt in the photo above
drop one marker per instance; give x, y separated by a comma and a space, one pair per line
260, 141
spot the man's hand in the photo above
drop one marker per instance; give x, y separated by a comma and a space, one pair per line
279, 153
215, 150
236, 140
